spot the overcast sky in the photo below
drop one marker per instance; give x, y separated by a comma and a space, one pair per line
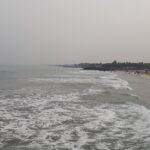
73, 31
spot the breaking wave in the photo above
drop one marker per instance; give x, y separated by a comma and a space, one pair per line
109, 80
57, 123
71, 111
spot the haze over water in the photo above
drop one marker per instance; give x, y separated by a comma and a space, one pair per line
49, 108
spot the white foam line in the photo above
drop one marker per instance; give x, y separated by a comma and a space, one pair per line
112, 80
92, 91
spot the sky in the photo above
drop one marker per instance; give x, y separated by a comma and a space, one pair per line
74, 31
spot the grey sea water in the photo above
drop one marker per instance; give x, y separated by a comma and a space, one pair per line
53, 108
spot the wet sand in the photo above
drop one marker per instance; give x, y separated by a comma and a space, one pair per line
140, 85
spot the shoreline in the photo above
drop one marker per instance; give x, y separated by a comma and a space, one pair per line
140, 83
138, 72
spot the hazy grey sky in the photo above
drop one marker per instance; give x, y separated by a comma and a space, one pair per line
72, 31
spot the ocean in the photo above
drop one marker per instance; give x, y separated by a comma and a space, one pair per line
55, 108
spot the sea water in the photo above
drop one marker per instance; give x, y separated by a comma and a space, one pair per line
54, 108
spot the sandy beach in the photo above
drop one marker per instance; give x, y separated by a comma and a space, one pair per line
140, 84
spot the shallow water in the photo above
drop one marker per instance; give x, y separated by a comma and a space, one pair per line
47, 108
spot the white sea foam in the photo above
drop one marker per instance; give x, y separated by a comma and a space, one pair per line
61, 119
92, 91
109, 80
75, 126
68, 97
63, 80
112, 80
134, 95
123, 122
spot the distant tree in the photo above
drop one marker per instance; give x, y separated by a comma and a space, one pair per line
114, 62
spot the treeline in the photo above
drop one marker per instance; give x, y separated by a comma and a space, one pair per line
114, 66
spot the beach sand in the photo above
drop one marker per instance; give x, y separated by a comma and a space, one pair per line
140, 83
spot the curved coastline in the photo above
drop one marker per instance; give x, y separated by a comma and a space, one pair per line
140, 84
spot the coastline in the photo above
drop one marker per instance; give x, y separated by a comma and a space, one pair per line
140, 83
138, 72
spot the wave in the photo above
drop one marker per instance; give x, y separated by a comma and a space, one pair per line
65, 122
112, 80
92, 91
108, 80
